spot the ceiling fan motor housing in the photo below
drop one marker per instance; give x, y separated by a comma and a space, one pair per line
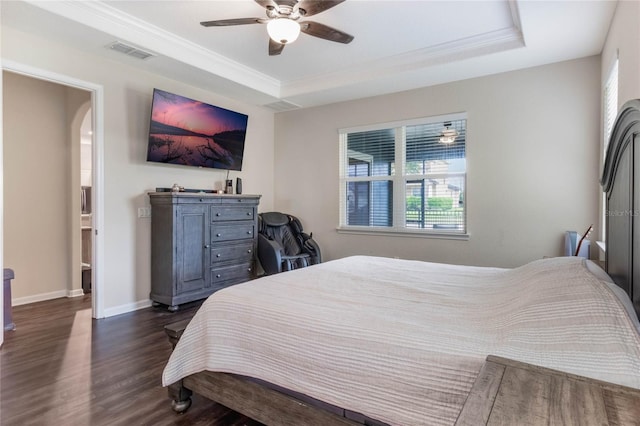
282, 22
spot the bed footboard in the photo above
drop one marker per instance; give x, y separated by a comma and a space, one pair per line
260, 403
180, 396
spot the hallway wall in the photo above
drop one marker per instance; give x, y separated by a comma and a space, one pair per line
37, 175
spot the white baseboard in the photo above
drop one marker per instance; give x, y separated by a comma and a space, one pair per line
123, 309
46, 296
38, 297
109, 312
75, 293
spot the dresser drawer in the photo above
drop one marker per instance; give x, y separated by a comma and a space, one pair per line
225, 212
232, 232
238, 253
236, 273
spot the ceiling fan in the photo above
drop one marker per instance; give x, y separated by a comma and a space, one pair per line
282, 22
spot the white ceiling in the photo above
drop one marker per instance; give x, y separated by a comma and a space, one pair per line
398, 45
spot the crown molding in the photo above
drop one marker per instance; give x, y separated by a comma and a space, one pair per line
459, 50
123, 26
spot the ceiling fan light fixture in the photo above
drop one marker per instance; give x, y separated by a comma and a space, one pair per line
283, 30
448, 136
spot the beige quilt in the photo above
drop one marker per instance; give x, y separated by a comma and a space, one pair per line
402, 341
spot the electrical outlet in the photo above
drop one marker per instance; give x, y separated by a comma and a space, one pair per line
144, 212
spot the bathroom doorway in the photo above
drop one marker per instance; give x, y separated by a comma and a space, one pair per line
89, 112
86, 199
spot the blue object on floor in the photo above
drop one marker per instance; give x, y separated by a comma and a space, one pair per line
8, 317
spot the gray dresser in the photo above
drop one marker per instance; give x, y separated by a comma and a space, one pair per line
200, 243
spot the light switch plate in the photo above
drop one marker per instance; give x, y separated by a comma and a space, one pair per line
144, 212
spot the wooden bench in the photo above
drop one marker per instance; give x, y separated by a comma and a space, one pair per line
508, 392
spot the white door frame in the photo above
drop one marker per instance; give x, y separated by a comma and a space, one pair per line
97, 107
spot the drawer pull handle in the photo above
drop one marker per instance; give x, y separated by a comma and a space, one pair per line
248, 269
200, 199
218, 235
249, 251
218, 214
218, 275
207, 246
249, 232
218, 255
248, 213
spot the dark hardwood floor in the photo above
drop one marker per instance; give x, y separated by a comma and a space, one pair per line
61, 367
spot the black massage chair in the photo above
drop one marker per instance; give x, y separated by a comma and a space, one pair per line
282, 244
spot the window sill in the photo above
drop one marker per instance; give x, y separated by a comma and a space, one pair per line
404, 233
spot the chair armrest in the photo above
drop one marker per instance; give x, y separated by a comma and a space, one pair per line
310, 246
270, 255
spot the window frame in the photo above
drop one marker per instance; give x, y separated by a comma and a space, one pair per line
399, 181
610, 93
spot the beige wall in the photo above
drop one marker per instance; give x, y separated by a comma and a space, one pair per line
127, 175
37, 215
623, 41
1, 184
532, 152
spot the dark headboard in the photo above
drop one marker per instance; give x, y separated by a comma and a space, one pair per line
621, 183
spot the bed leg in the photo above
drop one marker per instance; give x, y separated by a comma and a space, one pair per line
180, 396
174, 331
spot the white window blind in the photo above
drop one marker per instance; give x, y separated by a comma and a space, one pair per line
610, 106
401, 177
610, 103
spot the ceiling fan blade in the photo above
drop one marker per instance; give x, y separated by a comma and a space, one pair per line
323, 31
312, 7
228, 22
275, 48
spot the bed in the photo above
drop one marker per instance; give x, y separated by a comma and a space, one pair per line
348, 342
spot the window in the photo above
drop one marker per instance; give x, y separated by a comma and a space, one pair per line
610, 103
405, 177
609, 114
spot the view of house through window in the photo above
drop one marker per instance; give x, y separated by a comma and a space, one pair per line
408, 177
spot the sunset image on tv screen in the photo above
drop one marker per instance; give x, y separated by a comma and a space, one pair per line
192, 133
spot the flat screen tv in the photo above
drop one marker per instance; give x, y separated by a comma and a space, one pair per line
192, 133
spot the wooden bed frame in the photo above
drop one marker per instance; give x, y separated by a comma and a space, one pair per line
255, 401
621, 183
